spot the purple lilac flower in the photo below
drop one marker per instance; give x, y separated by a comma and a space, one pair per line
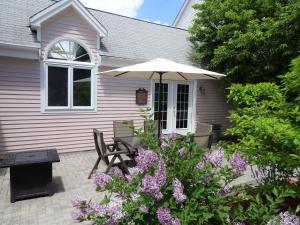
144, 209
173, 136
164, 144
178, 191
114, 209
77, 202
216, 157
118, 172
287, 219
176, 222
181, 152
165, 218
110, 222
133, 172
97, 209
79, 214
150, 186
146, 159
200, 165
161, 173
238, 163
100, 179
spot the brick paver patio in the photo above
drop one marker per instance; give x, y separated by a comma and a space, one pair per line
70, 178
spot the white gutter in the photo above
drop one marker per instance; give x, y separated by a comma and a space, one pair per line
19, 51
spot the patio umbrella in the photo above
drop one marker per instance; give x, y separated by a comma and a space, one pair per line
163, 69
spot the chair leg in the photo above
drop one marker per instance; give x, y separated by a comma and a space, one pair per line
123, 164
95, 167
110, 164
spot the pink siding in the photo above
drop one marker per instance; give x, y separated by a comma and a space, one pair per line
23, 126
212, 106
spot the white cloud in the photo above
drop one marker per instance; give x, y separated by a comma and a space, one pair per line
156, 21
123, 7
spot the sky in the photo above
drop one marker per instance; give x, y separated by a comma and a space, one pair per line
158, 11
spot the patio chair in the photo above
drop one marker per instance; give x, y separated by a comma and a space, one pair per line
203, 135
122, 128
110, 154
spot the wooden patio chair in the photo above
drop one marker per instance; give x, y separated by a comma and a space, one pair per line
203, 135
123, 128
110, 154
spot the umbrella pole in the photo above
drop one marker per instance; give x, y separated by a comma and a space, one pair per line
159, 105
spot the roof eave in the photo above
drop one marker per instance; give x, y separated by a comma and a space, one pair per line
179, 15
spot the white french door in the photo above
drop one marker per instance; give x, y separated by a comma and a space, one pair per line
177, 106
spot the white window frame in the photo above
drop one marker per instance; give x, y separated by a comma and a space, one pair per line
70, 65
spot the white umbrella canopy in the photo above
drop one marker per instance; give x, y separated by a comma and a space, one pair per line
163, 69
168, 69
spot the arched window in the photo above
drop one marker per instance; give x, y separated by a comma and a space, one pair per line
68, 50
69, 80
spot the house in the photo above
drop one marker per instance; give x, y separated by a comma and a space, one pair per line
51, 93
186, 14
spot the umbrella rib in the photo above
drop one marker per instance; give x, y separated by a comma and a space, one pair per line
182, 76
151, 75
210, 76
121, 74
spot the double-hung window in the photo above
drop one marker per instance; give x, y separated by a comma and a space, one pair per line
69, 78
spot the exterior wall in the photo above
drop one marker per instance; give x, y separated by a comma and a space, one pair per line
23, 126
187, 16
212, 106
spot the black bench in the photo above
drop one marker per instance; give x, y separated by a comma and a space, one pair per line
30, 173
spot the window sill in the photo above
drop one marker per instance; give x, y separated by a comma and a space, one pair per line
68, 111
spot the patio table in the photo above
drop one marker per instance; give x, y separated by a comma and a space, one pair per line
132, 142
30, 173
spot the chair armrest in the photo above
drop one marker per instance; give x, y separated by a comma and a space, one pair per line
111, 147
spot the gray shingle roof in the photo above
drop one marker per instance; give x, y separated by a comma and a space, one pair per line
127, 38
14, 21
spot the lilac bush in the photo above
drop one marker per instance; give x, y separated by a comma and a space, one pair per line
170, 187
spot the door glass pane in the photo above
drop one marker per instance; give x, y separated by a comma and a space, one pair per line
182, 106
164, 103
57, 86
81, 87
